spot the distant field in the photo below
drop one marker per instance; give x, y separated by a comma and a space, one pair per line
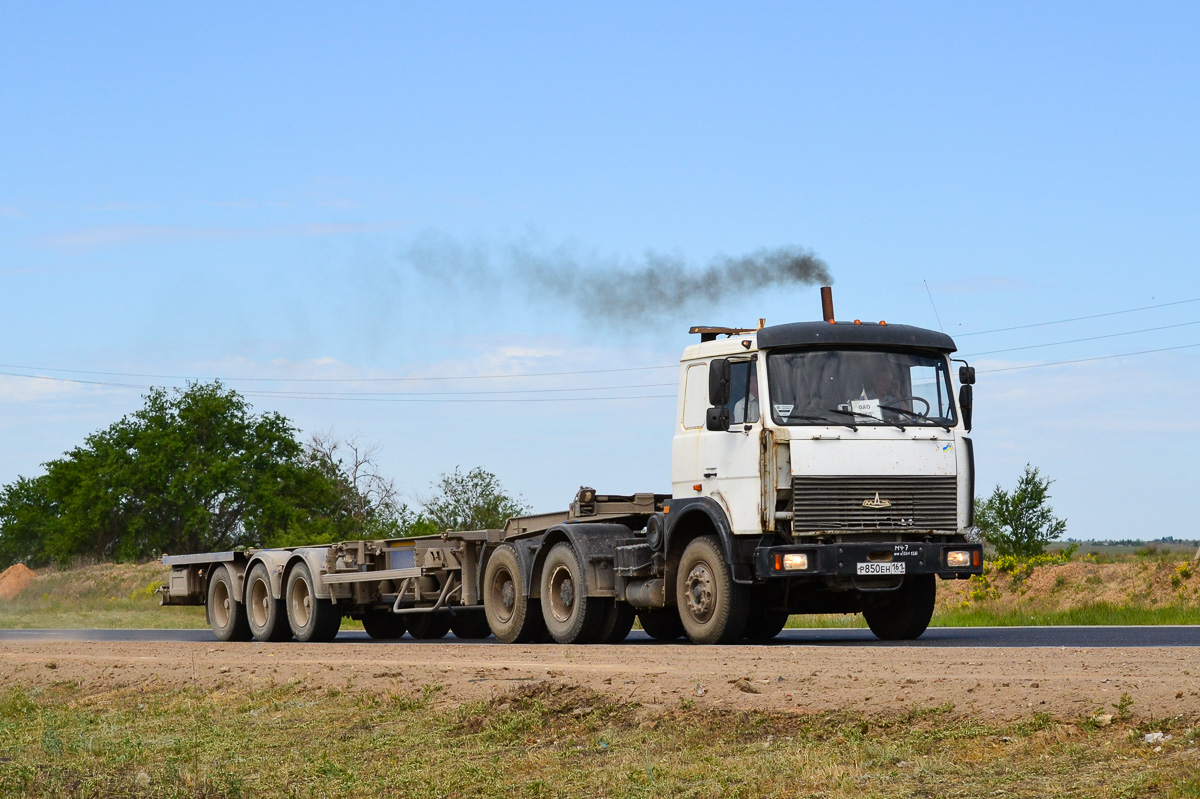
1154, 584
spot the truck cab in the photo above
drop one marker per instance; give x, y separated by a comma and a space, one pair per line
831, 462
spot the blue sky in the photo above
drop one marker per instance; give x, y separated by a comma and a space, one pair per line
238, 192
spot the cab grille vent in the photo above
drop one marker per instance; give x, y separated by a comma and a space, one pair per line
836, 503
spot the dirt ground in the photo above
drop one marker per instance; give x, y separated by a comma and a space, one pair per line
1000, 684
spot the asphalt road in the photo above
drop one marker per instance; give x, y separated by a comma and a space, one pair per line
1075, 637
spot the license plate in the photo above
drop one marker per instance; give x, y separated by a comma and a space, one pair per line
881, 568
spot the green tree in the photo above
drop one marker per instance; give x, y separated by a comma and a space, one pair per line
471, 501
193, 470
1020, 523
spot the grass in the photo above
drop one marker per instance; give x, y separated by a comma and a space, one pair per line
107, 595
552, 740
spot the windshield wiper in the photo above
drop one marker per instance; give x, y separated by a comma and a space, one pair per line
914, 415
866, 416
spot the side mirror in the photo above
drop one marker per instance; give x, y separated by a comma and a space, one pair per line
966, 401
966, 375
718, 382
718, 419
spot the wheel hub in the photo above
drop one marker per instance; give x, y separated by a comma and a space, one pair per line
562, 594
699, 592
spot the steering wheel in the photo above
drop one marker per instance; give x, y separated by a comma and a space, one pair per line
920, 414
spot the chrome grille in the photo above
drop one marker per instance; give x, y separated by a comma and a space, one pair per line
836, 503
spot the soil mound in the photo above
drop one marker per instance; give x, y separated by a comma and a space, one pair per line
14, 580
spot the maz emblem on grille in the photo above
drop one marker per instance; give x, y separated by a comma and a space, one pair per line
877, 502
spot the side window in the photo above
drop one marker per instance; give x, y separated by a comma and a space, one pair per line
743, 395
695, 396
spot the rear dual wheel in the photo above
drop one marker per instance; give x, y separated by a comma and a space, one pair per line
311, 618
661, 624
226, 615
511, 615
383, 625
266, 615
571, 616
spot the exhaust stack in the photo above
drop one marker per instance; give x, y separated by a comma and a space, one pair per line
827, 303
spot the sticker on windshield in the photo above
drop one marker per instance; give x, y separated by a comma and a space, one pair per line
784, 410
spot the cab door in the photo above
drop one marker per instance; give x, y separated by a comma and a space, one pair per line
730, 461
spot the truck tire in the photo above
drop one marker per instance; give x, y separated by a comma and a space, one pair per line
226, 615
428, 626
661, 624
618, 621
383, 625
571, 616
712, 607
311, 619
266, 615
763, 625
470, 624
906, 613
513, 617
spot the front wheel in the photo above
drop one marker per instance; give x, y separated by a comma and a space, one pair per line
311, 618
712, 607
905, 614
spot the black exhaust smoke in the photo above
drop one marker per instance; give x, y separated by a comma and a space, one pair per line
611, 290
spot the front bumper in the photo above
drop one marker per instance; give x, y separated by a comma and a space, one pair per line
868, 559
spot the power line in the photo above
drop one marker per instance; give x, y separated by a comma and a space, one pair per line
1076, 318
392, 396
1084, 360
1089, 338
333, 379
451, 393
451, 401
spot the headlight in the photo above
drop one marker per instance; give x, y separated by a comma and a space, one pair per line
795, 561
959, 559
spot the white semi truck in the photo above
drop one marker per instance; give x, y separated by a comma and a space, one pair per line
817, 467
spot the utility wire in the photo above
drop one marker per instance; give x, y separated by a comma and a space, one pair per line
446, 401
334, 379
1084, 360
1075, 319
389, 396
1089, 338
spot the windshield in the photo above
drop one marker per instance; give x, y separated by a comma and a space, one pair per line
859, 387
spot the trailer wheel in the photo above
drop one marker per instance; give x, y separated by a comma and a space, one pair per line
383, 625
311, 619
470, 624
618, 621
226, 615
571, 616
906, 613
712, 607
266, 615
428, 626
661, 624
513, 617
